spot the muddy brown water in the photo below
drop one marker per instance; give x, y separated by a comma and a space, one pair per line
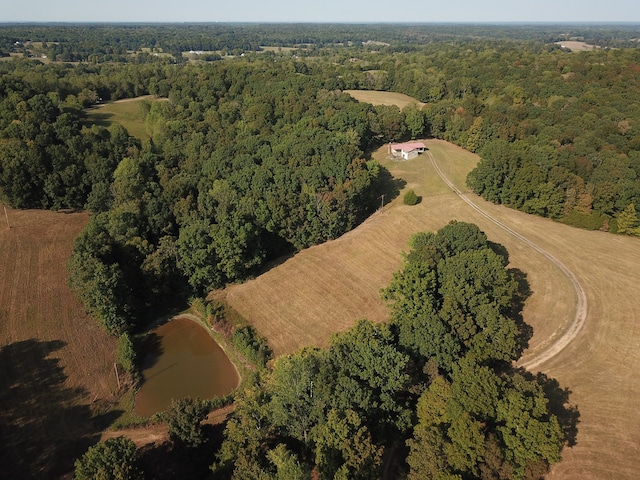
187, 363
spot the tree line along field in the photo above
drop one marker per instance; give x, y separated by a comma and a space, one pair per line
327, 288
129, 113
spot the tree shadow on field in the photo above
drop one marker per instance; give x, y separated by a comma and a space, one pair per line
525, 331
390, 186
568, 414
44, 425
100, 118
559, 404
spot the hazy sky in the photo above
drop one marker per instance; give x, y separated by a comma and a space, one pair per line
320, 11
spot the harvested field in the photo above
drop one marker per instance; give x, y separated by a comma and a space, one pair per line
327, 288
383, 98
56, 364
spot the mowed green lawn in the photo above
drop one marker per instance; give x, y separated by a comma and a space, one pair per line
327, 288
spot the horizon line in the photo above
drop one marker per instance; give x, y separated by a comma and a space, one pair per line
322, 22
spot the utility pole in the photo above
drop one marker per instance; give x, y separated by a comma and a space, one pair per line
382, 201
7, 217
115, 365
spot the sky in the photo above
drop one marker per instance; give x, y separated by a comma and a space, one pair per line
349, 11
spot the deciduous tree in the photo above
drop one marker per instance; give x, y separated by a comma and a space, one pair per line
113, 459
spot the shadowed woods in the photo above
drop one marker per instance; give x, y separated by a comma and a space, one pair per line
171, 460
44, 425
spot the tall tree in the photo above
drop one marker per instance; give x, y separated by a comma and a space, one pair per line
297, 393
113, 459
184, 418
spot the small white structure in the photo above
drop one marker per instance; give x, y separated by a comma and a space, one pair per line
406, 151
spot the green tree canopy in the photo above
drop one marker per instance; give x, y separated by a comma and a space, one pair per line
184, 418
454, 297
113, 459
478, 412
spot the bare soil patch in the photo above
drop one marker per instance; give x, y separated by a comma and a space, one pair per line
158, 433
327, 288
56, 363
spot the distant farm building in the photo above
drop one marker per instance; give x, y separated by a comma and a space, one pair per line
406, 151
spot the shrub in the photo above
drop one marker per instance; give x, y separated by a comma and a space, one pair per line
127, 353
252, 345
184, 418
201, 307
410, 198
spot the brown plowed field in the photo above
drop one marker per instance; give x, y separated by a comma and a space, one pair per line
327, 288
56, 364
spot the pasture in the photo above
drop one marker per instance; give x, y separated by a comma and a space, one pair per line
127, 113
56, 363
327, 288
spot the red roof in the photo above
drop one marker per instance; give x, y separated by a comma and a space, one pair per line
407, 147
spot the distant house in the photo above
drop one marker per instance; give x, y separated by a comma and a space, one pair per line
406, 151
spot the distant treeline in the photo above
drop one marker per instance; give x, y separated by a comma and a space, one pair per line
123, 42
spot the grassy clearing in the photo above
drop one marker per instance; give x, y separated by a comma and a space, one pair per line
383, 98
576, 46
56, 375
266, 48
327, 288
127, 113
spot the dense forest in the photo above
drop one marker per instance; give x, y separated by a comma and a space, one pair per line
254, 152
142, 43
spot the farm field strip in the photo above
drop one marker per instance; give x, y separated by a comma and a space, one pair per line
57, 363
581, 303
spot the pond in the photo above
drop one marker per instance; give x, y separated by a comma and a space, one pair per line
186, 363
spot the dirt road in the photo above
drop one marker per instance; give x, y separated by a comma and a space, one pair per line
570, 333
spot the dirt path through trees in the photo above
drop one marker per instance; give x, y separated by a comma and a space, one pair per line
581, 298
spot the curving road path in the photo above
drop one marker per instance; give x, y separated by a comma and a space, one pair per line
581, 304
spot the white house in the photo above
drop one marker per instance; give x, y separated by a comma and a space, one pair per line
406, 150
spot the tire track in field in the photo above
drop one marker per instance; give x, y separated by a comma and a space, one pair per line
581, 303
